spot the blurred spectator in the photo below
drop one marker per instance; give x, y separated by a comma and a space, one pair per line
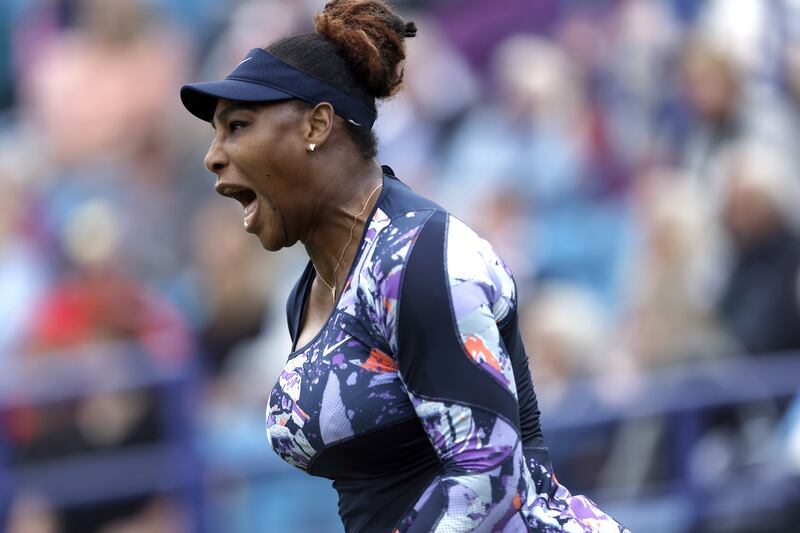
635, 92
250, 24
99, 88
535, 139
761, 301
669, 314
714, 91
94, 301
414, 126
726, 110
567, 338
22, 275
231, 282
31, 514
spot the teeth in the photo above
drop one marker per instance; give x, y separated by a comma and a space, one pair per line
249, 214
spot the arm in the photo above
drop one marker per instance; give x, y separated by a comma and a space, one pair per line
459, 378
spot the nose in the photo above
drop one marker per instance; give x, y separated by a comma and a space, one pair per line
215, 159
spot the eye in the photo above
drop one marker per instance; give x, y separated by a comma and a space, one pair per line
235, 125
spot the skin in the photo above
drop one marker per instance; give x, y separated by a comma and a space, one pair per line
310, 197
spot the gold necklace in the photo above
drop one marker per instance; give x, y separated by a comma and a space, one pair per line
341, 256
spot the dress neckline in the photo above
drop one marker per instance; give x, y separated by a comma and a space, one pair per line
310, 272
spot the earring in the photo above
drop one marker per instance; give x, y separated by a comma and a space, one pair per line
311, 147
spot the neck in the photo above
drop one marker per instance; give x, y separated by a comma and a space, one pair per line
339, 217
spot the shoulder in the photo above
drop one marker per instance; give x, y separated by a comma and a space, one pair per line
449, 245
400, 218
420, 247
412, 237
399, 199
472, 259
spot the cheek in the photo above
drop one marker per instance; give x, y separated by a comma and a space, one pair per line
279, 181
271, 162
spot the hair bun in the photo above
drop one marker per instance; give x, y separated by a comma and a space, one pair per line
370, 34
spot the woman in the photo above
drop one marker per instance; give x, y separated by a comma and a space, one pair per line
408, 382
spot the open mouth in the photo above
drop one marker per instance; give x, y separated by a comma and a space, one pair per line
249, 200
243, 195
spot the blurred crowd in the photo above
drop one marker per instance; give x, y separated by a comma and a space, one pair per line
635, 162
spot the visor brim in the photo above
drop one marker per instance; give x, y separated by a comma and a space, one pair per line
200, 99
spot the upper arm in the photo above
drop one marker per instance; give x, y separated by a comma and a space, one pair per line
459, 378
447, 342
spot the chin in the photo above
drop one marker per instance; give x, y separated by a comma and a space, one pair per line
271, 242
271, 246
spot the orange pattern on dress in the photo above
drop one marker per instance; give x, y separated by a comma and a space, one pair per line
480, 353
379, 362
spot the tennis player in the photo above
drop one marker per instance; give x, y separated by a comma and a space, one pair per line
408, 383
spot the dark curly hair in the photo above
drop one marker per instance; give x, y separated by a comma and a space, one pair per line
358, 47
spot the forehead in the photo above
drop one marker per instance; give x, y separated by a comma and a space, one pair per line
224, 108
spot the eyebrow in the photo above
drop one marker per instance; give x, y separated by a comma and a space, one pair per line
249, 106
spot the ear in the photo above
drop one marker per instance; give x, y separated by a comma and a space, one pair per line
319, 123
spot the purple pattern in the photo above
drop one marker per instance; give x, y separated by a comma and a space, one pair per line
346, 383
367, 393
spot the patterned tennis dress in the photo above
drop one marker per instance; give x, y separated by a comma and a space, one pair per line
415, 397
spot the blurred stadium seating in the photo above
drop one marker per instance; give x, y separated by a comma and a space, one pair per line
634, 161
